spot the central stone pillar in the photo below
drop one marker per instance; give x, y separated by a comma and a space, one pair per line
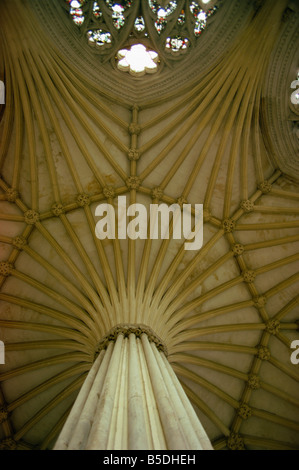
132, 400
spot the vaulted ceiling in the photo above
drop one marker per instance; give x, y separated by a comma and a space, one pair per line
215, 128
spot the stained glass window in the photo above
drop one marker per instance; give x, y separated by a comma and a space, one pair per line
98, 38
177, 44
96, 10
102, 22
139, 24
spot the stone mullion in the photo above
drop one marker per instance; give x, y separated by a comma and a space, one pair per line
182, 371
187, 271
207, 330
231, 89
5, 418
50, 437
149, 296
194, 95
276, 209
79, 84
208, 346
114, 297
203, 122
271, 243
282, 338
210, 79
80, 344
12, 106
120, 276
263, 354
58, 297
201, 404
37, 34
282, 193
44, 79
15, 53
246, 89
279, 393
53, 330
70, 102
92, 309
12, 217
221, 368
56, 274
133, 185
76, 97
289, 371
179, 298
268, 226
49, 71
256, 134
31, 78
287, 308
248, 275
74, 386
194, 303
17, 243
19, 123
159, 417
59, 359
190, 116
81, 322
98, 291
268, 444
72, 371
202, 316
277, 264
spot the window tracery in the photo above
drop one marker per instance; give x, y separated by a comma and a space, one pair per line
171, 28
294, 105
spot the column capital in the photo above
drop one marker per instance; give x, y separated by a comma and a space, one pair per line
126, 329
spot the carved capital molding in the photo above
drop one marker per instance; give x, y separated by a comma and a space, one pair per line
157, 193
8, 444
83, 200
109, 192
228, 225
263, 353
5, 268
57, 209
272, 326
133, 155
19, 242
12, 194
126, 329
249, 276
31, 217
265, 187
3, 414
133, 182
235, 442
260, 301
244, 411
247, 205
253, 382
238, 249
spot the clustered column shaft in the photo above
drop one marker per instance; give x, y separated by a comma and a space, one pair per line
130, 400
